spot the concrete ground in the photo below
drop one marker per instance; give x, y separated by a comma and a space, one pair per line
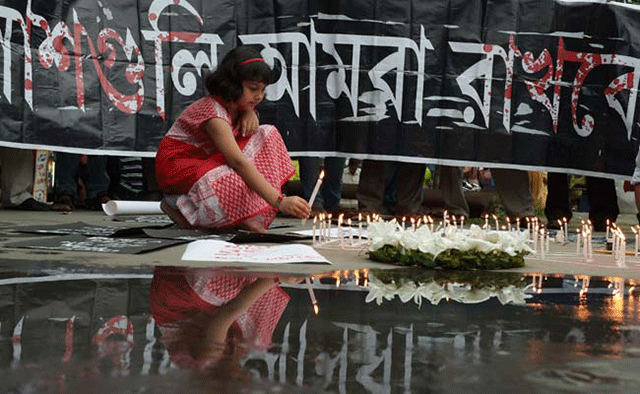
561, 260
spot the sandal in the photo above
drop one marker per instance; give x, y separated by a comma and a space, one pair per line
64, 203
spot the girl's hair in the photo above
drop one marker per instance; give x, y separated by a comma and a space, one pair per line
242, 63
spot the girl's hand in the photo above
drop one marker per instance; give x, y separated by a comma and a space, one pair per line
248, 123
295, 206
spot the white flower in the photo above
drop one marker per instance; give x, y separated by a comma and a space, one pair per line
383, 233
432, 292
379, 290
513, 294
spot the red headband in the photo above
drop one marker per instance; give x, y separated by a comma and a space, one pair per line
251, 60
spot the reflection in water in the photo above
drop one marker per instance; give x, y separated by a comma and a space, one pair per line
201, 330
209, 320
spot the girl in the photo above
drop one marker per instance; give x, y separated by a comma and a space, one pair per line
216, 167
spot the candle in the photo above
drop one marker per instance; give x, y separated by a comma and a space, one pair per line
413, 224
578, 241
635, 247
566, 228
486, 220
360, 226
517, 224
312, 296
313, 231
340, 231
461, 222
607, 236
403, 220
316, 188
508, 224
496, 220
329, 227
350, 231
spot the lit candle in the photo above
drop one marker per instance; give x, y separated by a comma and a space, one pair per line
313, 233
486, 220
496, 219
508, 224
360, 226
461, 222
403, 221
329, 227
518, 224
350, 231
578, 241
316, 188
340, 231
607, 236
413, 224
312, 296
566, 228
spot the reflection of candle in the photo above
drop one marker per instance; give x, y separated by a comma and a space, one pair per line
606, 238
312, 296
486, 220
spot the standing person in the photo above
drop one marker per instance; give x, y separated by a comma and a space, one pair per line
328, 199
17, 169
71, 168
216, 167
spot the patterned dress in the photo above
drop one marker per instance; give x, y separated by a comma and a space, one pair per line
177, 297
194, 176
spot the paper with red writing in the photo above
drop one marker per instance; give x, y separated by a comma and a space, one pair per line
220, 251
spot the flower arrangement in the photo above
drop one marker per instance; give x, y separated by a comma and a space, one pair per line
416, 286
448, 248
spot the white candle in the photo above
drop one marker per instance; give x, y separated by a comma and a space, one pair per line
566, 228
496, 220
350, 231
607, 236
508, 224
312, 296
316, 188
360, 226
578, 241
313, 233
461, 222
486, 220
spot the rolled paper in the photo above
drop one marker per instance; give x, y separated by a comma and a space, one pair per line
124, 207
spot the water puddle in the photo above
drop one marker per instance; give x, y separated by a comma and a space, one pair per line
164, 330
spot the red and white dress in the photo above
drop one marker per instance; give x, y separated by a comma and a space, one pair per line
178, 297
194, 177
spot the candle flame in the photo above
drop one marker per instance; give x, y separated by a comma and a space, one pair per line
316, 310
321, 176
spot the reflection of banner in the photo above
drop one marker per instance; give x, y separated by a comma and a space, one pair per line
511, 84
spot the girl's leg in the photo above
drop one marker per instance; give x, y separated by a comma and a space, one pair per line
175, 215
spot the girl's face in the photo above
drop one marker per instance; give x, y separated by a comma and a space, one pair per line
252, 94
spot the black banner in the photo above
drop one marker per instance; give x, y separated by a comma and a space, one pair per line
548, 85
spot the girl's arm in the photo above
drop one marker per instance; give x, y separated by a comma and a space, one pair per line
222, 135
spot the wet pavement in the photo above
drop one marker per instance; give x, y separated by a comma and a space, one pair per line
97, 322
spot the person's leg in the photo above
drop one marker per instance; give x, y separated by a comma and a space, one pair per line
371, 186
557, 203
409, 188
514, 191
17, 167
603, 202
452, 194
97, 181
332, 184
67, 165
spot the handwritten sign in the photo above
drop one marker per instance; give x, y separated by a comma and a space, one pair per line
220, 251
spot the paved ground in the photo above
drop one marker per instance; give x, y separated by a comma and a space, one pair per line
561, 260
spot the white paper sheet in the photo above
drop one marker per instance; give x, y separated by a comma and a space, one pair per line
220, 251
124, 207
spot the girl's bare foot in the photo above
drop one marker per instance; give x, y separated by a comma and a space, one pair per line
250, 225
175, 215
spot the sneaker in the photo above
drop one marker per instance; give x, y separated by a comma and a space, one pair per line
470, 187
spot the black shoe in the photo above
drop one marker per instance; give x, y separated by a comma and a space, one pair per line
30, 204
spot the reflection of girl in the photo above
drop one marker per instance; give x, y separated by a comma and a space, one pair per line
216, 167
209, 319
